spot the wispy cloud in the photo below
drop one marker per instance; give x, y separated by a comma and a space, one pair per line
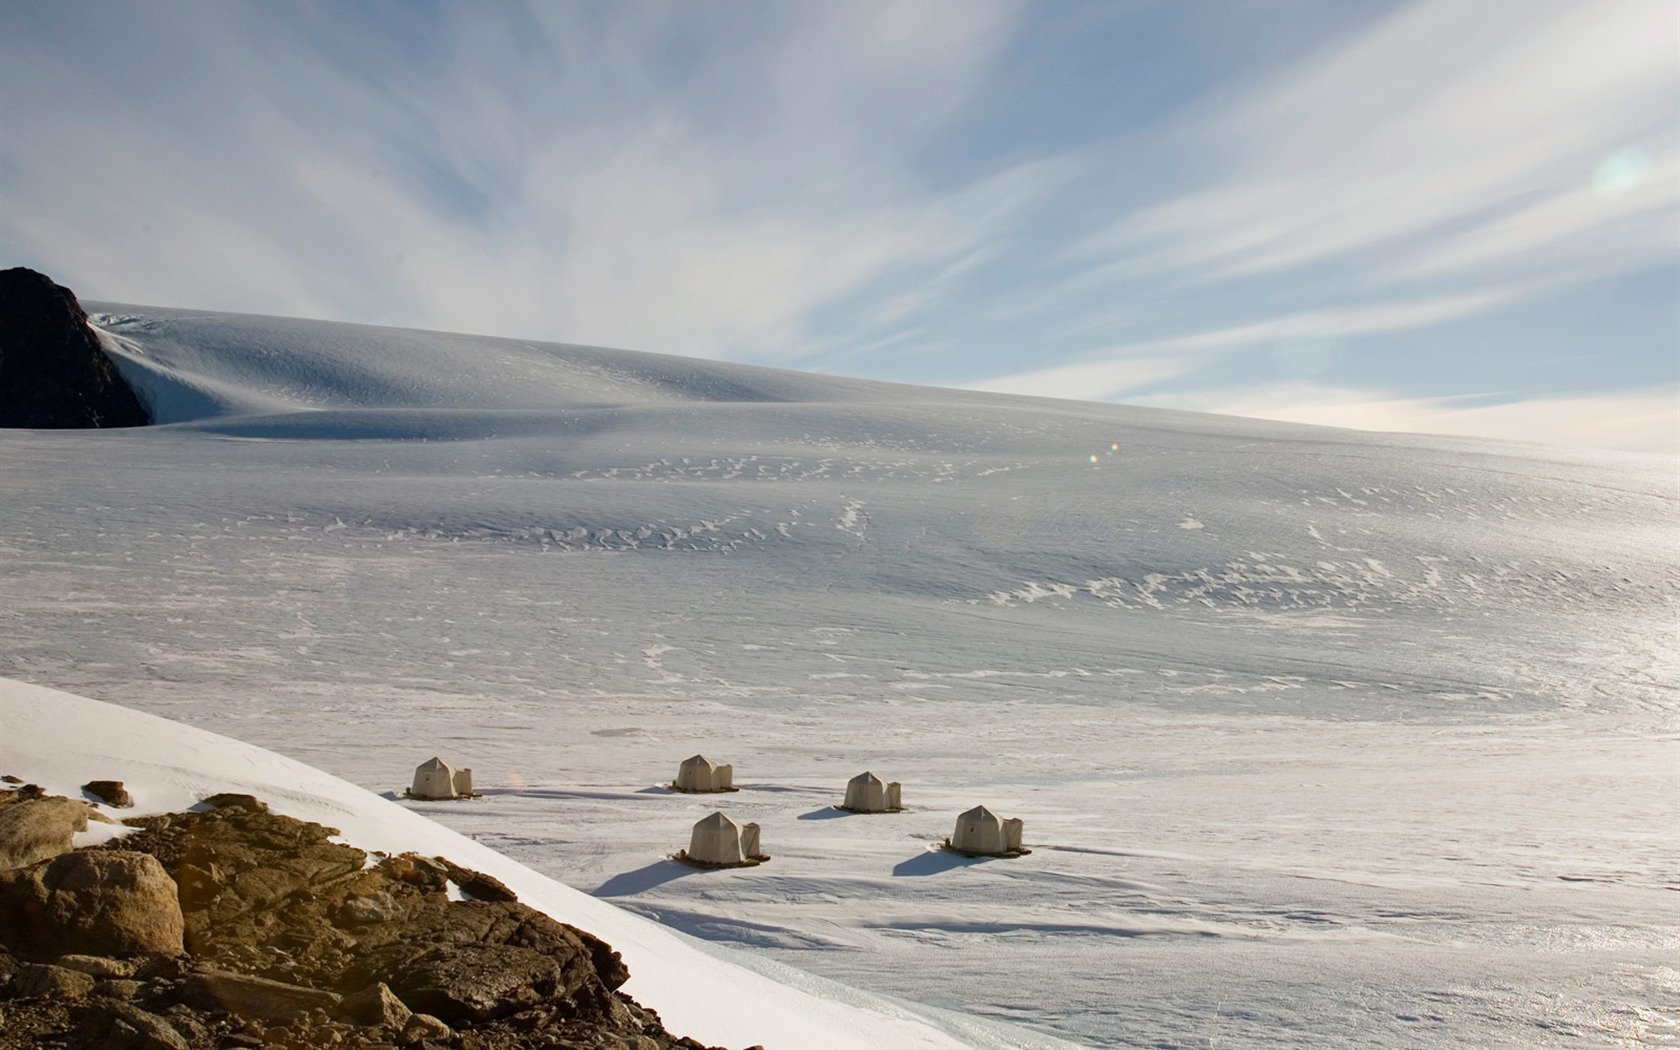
541, 172
1635, 421
1116, 373
1448, 124
877, 186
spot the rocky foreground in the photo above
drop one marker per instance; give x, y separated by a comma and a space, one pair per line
231, 926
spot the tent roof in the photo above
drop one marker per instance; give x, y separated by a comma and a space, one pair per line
432, 765
865, 778
699, 760
716, 822
979, 813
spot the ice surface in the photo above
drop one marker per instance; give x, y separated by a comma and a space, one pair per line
1320, 737
55, 738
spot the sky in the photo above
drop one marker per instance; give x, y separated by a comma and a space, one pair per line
1447, 216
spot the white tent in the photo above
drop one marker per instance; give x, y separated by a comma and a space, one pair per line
702, 774
982, 831
867, 793
435, 778
719, 840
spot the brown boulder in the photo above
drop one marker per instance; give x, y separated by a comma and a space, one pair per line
424, 1027
254, 998
117, 1025
473, 982
110, 792
376, 1005
39, 829
98, 965
40, 981
91, 902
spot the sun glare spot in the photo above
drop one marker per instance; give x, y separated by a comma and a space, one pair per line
1621, 171
1093, 457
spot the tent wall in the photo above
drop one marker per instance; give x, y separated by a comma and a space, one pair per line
434, 780
978, 833
1012, 833
463, 782
716, 841
701, 774
749, 840
866, 793
893, 801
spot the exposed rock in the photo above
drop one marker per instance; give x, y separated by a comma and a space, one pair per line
254, 997
116, 1025
477, 885
118, 989
296, 941
378, 906
41, 981
39, 829
97, 965
232, 800
53, 372
93, 902
425, 1026
376, 1005
110, 792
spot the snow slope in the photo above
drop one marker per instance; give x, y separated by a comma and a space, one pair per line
61, 741
1320, 737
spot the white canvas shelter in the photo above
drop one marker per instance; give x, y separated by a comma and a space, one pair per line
982, 831
868, 793
437, 779
718, 839
702, 774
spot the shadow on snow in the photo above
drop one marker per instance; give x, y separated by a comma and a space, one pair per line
629, 883
934, 861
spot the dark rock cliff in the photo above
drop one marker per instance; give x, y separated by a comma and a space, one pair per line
53, 373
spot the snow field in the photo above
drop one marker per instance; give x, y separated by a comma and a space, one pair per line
1380, 754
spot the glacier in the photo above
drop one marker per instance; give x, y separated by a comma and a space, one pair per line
1319, 736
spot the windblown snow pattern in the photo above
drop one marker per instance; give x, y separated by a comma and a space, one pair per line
1319, 737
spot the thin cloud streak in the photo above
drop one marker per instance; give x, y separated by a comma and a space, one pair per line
845, 187
1632, 421
1122, 370
1444, 120
474, 196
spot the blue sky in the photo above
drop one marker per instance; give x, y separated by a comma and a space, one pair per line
1441, 215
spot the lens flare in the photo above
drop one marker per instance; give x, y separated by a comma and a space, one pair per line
1621, 171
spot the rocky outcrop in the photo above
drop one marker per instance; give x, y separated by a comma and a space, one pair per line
38, 829
110, 792
90, 902
289, 939
53, 373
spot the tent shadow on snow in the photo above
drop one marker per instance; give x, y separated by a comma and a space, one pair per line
824, 813
629, 883
933, 862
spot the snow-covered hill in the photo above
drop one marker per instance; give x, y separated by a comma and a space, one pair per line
1319, 736
61, 741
